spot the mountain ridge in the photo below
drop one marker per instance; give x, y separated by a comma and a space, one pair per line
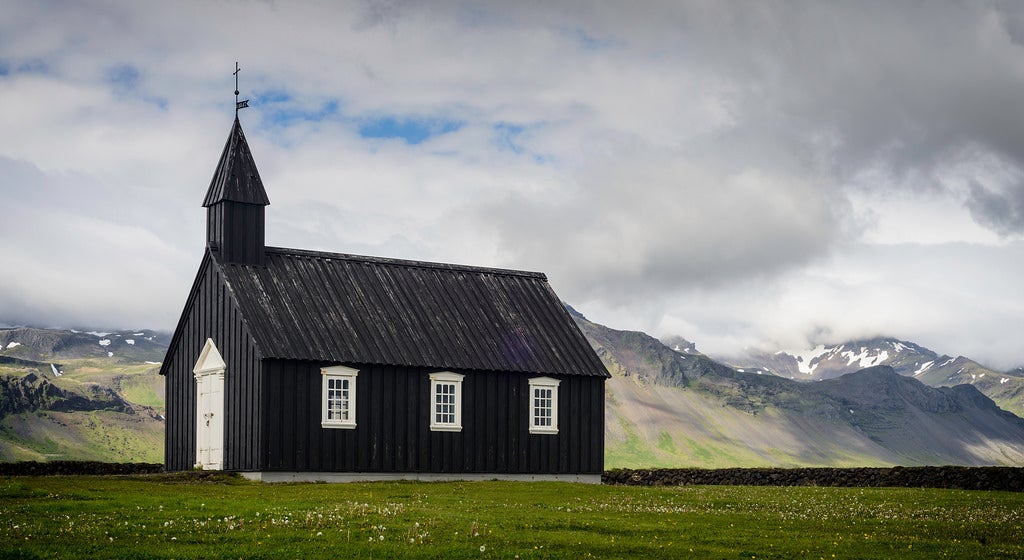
906, 358
38, 344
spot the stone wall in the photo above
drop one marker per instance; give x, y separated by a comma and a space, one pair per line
32, 468
964, 478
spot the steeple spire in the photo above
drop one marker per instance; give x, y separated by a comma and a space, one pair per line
235, 204
236, 178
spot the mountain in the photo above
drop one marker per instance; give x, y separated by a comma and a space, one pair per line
97, 396
681, 408
55, 345
81, 395
906, 358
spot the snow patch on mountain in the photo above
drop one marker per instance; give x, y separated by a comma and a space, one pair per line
864, 358
804, 358
13, 345
105, 342
924, 367
899, 346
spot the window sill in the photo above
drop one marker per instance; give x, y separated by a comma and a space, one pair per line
337, 425
434, 428
547, 431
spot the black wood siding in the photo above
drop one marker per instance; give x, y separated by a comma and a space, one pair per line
211, 313
392, 432
237, 230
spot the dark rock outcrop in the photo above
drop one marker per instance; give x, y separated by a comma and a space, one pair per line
32, 392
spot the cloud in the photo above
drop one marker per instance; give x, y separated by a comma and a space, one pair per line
633, 227
77, 255
1001, 211
666, 163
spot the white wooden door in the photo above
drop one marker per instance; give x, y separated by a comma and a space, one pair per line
210, 421
209, 374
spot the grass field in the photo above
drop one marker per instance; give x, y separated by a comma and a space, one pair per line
177, 516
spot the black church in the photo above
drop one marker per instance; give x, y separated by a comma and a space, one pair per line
289, 364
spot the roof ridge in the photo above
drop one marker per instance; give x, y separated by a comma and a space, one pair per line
406, 262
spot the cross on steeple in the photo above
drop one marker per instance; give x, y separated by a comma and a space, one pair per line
238, 104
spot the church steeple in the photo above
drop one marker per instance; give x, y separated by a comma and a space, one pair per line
235, 204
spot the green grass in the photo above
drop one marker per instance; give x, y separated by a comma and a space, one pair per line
97, 435
181, 517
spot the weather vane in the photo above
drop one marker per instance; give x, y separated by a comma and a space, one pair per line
238, 104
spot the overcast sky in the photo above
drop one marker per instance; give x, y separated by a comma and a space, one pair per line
767, 174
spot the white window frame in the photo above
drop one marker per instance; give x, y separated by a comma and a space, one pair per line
543, 384
342, 374
446, 378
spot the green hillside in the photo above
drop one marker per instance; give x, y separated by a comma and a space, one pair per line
64, 397
673, 408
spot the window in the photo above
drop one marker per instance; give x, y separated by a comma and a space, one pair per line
339, 397
446, 402
544, 405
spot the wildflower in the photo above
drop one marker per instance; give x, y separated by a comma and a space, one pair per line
382, 537
483, 547
319, 534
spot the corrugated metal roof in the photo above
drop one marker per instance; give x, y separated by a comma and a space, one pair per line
236, 178
333, 307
